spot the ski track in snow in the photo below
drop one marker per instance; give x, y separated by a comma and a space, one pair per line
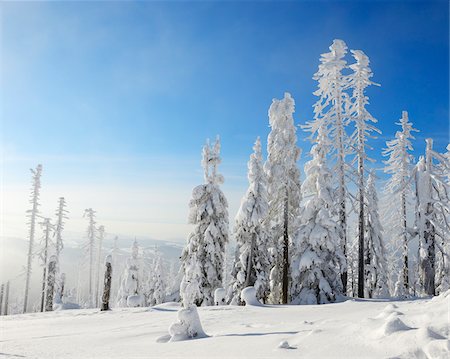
352, 329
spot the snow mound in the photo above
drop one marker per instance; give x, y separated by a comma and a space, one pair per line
248, 295
136, 300
437, 349
219, 296
65, 306
426, 333
188, 325
384, 314
390, 308
285, 345
392, 325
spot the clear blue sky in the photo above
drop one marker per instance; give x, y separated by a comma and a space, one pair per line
124, 93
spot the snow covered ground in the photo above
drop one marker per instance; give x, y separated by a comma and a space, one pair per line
352, 329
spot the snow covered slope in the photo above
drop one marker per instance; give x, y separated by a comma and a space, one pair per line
352, 329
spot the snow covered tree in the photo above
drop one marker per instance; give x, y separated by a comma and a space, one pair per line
252, 262
399, 189
283, 187
47, 227
158, 283
319, 259
358, 81
32, 214
443, 217
100, 237
91, 234
130, 281
61, 215
107, 283
203, 257
333, 100
374, 253
51, 279
432, 196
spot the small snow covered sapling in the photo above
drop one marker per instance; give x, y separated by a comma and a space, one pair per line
188, 325
107, 283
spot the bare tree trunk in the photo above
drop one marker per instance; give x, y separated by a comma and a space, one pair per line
107, 287
50, 283
1, 298
405, 245
286, 251
6, 298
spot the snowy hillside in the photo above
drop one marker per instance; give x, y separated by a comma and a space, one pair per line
355, 328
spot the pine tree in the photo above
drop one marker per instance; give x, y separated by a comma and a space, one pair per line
203, 257
374, 254
251, 267
319, 259
91, 234
398, 189
130, 279
333, 100
284, 194
432, 195
32, 214
358, 81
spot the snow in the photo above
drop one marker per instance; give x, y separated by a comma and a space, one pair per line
348, 329
188, 325
219, 296
136, 300
248, 295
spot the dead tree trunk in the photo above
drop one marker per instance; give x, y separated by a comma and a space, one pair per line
1, 298
107, 287
50, 283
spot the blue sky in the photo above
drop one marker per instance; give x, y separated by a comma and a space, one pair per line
117, 98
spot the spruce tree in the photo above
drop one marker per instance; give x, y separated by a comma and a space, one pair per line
331, 108
251, 267
358, 81
397, 191
203, 257
283, 178
374, 253
32, 214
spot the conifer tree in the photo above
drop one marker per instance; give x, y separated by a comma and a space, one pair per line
397, 190
32, 214
374, 253
91, 234
432, 196
284, 194
130, 278
358, 81
319, 259
251, 267
331, 106
203, 257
